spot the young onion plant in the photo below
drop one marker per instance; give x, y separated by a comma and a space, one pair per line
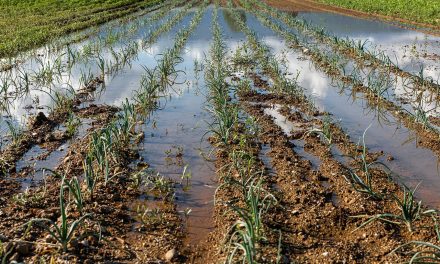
363, 181
410, 211
223, 111
356, 50
376, 82
63, 232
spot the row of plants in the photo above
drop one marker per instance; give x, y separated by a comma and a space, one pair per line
108, 149
362, 179
356, 50
243, 190
64, 102
375, 86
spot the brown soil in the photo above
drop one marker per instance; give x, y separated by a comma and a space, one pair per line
123, 239
314, 217
322, 203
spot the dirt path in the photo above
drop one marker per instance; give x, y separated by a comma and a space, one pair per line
309, 5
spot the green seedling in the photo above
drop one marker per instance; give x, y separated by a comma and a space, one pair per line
364, 182
186, 176
410, 211
72, 123
64, 232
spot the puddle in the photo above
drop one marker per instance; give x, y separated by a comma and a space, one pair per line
30, 159
287, 126
39, 159
339, 156
299, 149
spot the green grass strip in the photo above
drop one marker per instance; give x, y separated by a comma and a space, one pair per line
25, 24
421, 11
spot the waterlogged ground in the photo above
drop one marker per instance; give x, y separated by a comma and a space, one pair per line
174, 140
411, 50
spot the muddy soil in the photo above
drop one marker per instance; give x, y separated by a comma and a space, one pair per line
316, 213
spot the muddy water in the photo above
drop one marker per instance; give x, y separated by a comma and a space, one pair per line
412, 163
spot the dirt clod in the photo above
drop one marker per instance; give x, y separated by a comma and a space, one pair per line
39, 120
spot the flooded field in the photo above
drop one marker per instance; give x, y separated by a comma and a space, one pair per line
233, 132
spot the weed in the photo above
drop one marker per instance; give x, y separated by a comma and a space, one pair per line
29, 198
149, 217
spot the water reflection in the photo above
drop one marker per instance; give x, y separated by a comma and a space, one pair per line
408, 49
230, 21
355, 114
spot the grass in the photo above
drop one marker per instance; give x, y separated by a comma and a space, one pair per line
35, 22
421, 11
